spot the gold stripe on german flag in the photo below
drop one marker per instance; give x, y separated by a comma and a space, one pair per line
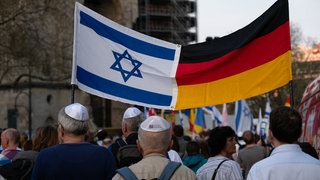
251, 61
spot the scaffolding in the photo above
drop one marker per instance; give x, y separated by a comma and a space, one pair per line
170, 20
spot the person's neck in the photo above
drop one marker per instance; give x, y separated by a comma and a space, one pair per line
11, 147
250, 145
277, 143
126, 134
223, 153
73, 139
150, 151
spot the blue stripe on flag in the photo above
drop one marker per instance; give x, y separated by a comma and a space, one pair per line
238, 115
200, 118
121, 91
126, 40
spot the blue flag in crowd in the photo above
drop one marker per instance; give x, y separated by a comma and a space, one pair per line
243, 117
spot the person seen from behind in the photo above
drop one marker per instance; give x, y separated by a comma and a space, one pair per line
10, 140
154, 141
131, 120
194, 159
222, 144
178, 131
287, 160
74, 158
22, 164
251, 153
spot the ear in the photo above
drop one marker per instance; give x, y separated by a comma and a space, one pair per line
170, 145
61, 131
270, 136
6, 141
125, 128
139, 146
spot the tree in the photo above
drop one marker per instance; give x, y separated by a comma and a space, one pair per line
36, 40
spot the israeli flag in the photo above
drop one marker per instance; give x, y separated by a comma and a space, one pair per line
117, 63
215, 114
243, 117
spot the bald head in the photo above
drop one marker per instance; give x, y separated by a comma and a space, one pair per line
10, 138
154, 135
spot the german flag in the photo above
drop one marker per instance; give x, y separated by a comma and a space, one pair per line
246, 63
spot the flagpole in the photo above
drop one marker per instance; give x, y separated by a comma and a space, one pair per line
291, 94
72, 93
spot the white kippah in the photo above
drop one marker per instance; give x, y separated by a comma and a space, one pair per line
155, 124
77, 112
131, 112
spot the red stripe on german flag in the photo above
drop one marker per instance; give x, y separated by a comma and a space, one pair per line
256, 53
249, 62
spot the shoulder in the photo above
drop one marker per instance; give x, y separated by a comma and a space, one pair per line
231, 164
32, 155
183, 172
174, 156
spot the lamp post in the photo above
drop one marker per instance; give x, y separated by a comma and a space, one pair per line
30, 109
28, 94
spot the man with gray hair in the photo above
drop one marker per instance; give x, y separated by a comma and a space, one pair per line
154, 141
74, 158
131, 121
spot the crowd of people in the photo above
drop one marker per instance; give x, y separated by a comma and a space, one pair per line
150, 148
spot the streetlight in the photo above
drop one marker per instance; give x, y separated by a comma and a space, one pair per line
28, 109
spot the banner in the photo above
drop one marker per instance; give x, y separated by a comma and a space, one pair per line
215, 114
117, 63
196, 120
251, 61
243, 117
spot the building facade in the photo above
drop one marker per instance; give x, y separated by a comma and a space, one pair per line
36, 55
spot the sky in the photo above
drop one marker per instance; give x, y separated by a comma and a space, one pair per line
222, 17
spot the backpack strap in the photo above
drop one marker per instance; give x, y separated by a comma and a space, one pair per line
169, 170
216, 170
121, 142
126, 173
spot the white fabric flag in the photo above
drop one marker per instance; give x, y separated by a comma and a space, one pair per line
265, 123
268, 110
117, 63
215, 114
258, 128
243, 117
224, 115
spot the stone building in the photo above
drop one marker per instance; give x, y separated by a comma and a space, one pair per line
36, 49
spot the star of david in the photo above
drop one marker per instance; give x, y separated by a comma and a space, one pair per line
246, 112
126, 74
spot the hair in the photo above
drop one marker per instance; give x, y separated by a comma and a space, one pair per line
28, 145
218, 138
45, 137
178, 130
23, 140
175, 145
204, 148
285, 124
12, 135
193, 148
248, 137
102, 134
154, 140
134, 122
71, 125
